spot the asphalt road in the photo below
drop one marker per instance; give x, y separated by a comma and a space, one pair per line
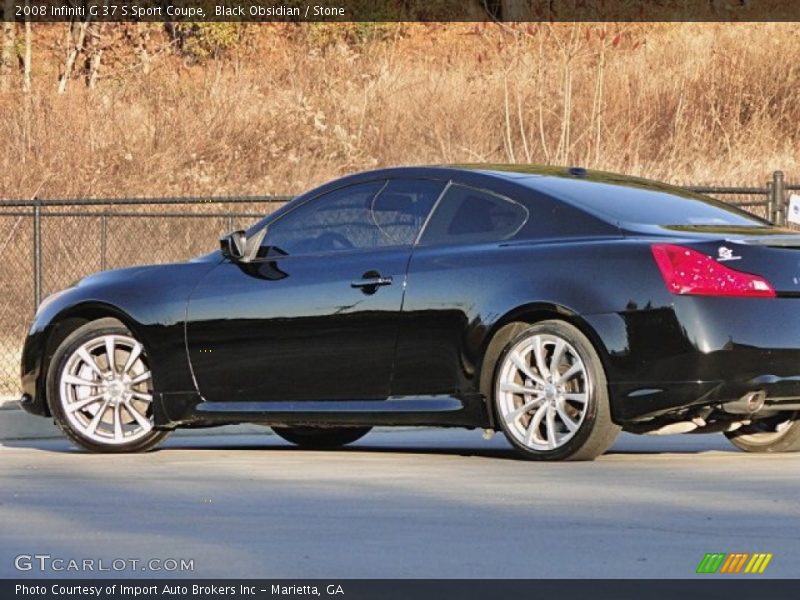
418, 503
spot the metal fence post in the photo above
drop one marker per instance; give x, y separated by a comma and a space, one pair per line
37, 254
770, 203
103, 241
779, 194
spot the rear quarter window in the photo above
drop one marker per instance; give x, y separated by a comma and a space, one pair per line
466, 215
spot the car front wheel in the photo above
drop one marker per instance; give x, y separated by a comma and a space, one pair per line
100, 389
551, 396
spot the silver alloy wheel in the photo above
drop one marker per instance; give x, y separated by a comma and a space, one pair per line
543, 391
105, 389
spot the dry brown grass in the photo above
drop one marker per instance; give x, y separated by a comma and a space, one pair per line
682, 102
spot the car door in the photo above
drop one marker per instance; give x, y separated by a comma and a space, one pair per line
450, 275
316, 315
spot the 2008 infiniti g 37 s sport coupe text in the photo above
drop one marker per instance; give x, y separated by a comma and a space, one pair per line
559, 305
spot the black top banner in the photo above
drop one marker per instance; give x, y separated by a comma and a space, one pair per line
400, 10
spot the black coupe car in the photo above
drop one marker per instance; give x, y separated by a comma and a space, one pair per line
558, 305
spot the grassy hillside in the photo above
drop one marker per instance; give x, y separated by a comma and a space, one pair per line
277, 108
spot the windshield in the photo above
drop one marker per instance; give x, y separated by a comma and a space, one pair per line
647, 205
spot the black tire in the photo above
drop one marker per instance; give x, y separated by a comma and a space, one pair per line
595, 431
321, 438
776, 434
61, 357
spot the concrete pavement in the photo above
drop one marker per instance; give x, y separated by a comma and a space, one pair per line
418, 503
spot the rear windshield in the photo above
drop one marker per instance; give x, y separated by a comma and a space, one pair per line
647, 206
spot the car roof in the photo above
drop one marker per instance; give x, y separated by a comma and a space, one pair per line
600, 194
527, 175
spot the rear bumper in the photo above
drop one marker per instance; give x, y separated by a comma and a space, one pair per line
700, 351
639, 401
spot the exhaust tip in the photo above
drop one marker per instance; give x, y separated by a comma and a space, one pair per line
755, 401
750, 403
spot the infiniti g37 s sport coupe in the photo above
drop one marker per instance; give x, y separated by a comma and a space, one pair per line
558, 305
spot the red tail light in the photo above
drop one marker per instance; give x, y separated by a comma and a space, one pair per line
689, 272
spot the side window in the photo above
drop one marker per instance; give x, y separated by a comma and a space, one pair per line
400, 209
337, 221
466, 215
368, 215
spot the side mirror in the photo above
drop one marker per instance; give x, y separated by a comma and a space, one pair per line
237, 247
234, 246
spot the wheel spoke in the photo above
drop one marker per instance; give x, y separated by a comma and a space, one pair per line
551, 427
112, 362
140, 378
535, 423
143, 421
143, 396
89, 360
517, 413
538, 353
558, 354
566, 419
570, 373
516, 388
579, 398
132, 357
92, 427
83, 403
521, 364
75, 380
117, 423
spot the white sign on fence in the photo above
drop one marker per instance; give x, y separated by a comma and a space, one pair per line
794, 209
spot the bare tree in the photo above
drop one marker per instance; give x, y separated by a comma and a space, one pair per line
141, 42
95, 49
76, 37
27, 57
9, 40
599, 102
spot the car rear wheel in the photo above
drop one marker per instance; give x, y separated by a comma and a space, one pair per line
321, 438
100, 390
776, 434
551, 396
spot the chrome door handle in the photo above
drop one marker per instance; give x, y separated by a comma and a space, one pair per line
371, 282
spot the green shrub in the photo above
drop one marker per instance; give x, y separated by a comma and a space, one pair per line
201, 41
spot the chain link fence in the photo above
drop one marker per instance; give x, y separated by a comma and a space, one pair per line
46, 245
